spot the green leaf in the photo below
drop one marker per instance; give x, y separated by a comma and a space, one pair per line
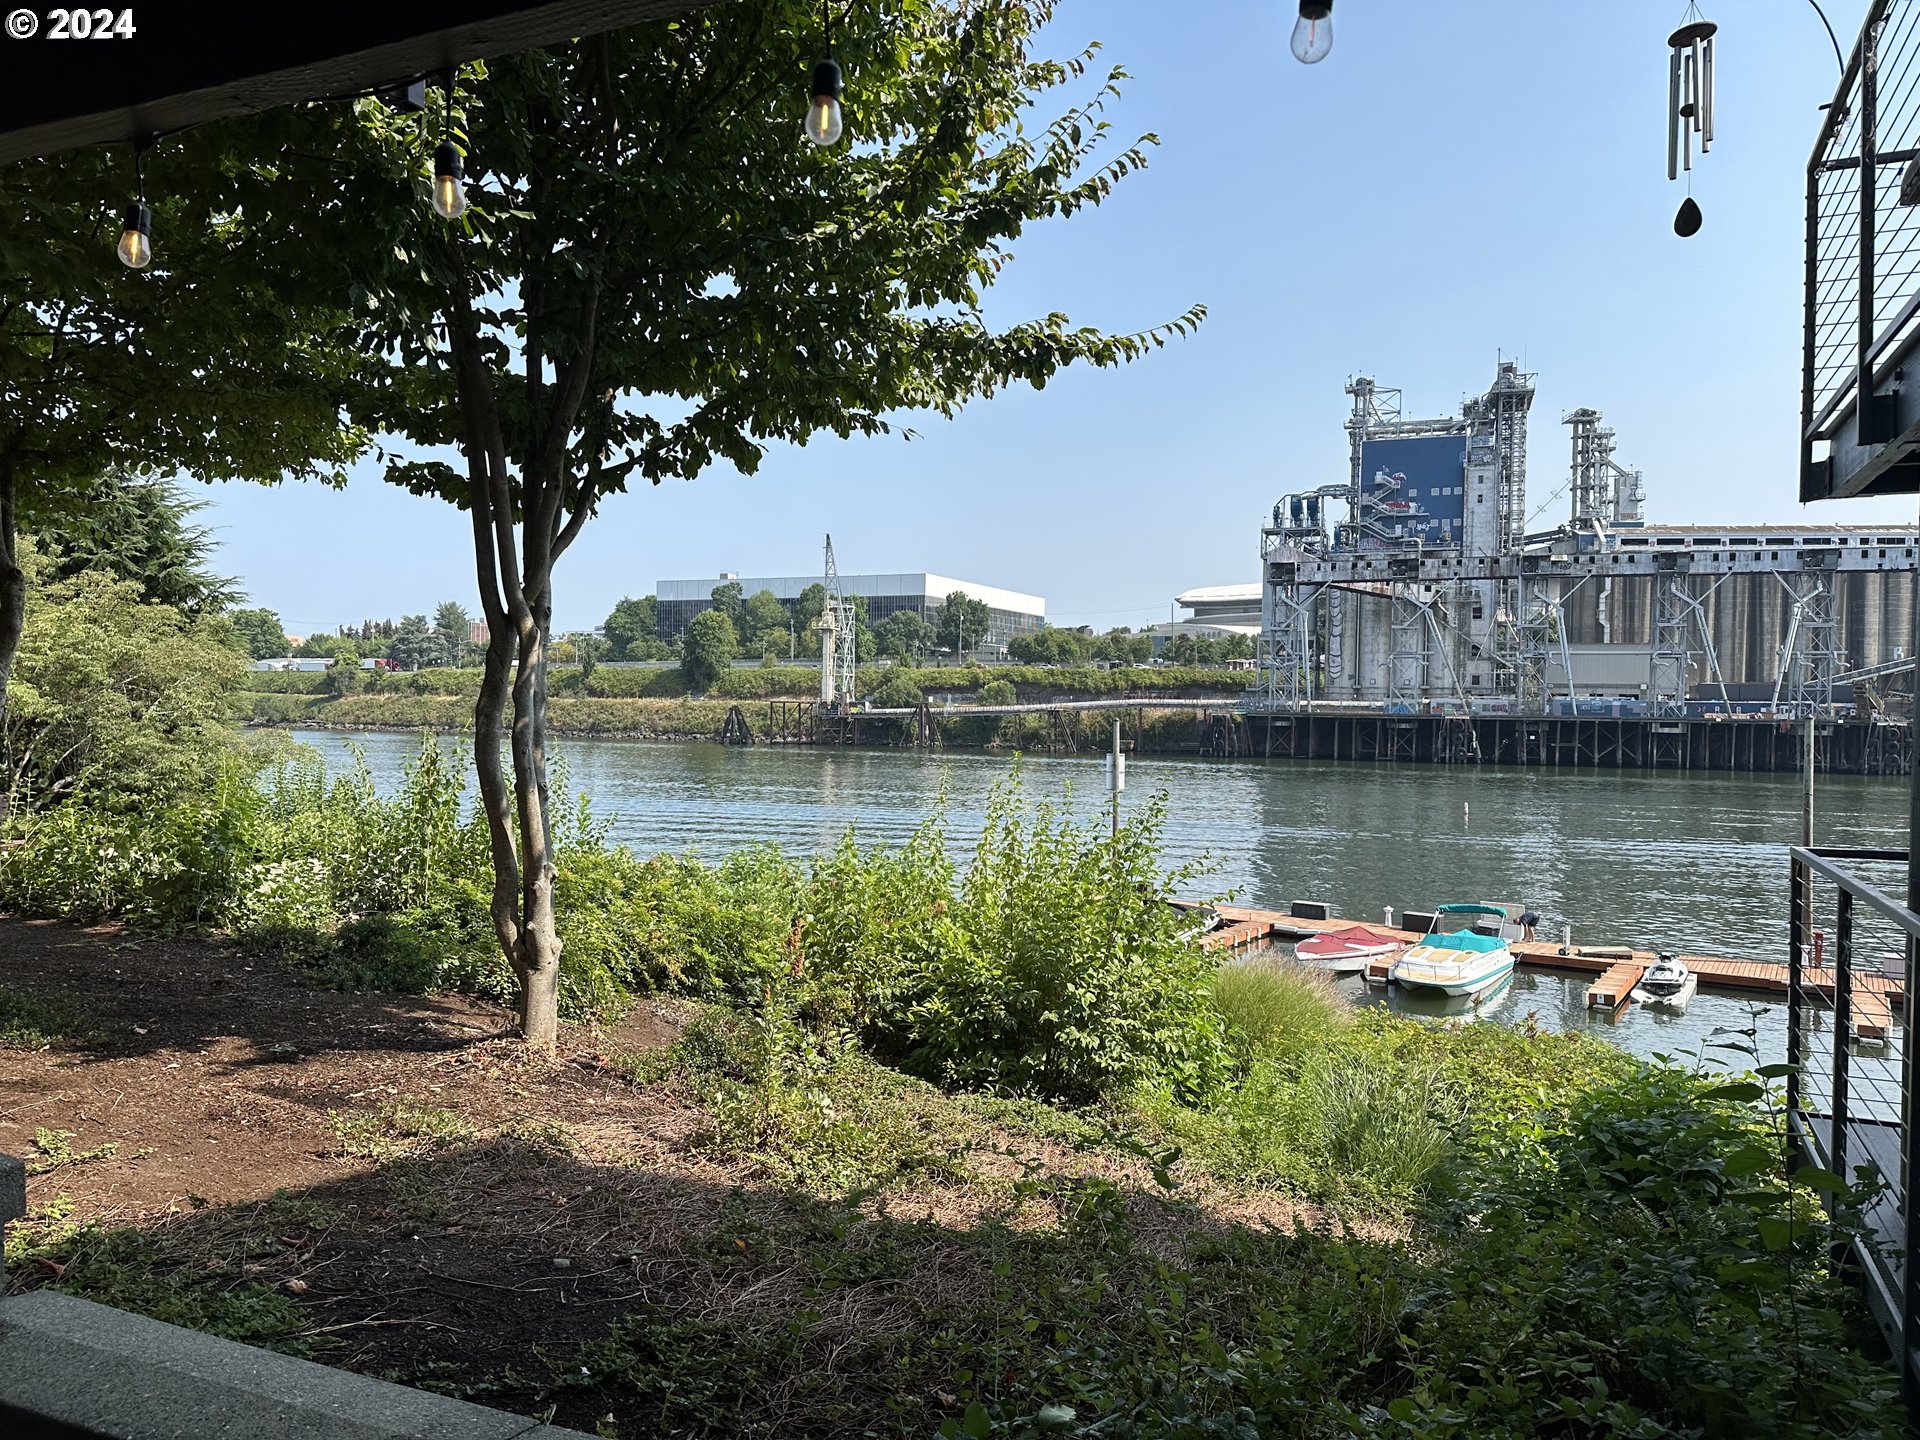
1741, 1090
1753, 1160
1814, 1178
1055, 1417
976, 1422
1777, 1072
1776, 1233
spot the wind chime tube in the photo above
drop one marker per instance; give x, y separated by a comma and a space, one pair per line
1688, 89
1673, 116
1706, 96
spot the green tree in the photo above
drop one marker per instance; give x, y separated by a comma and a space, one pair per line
227, 359
318, 647
416, 645
1048, 646
996, 692
731, 601
613, 258
114, 696
258, 633
904, 635
897, 692
139, 529
455, 628
766, 622
808, 608
710, 648
1121, 646
589, 649
633, 627
344, 675
963, 623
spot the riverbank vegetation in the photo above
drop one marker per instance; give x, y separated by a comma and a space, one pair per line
1028, 1160
660, 704
948, 1136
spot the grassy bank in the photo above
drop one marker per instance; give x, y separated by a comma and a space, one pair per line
1159, 731
976, 1149
1030, 682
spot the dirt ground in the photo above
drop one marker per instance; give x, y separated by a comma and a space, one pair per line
446, 1210
217, 1078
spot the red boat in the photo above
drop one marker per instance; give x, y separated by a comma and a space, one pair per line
1345, 951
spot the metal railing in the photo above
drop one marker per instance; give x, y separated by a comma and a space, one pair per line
1851, 961
1862, 242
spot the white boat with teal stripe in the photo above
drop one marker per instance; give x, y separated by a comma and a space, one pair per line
1456, 957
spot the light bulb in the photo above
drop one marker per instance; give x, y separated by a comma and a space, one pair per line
823, 120
136, 237
823, 115
449, 194
1313, 31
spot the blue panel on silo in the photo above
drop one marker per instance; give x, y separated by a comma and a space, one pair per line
1414, 488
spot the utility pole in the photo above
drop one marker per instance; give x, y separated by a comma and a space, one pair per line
1116, 775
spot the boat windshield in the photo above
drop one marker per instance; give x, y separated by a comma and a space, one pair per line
1449, 919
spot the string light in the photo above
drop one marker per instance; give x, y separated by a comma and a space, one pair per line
136, 225
824, 119
449, 188
1313, 32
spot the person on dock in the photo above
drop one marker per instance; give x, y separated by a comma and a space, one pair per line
1528, 920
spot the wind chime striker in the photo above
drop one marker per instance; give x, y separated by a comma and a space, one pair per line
1689, 108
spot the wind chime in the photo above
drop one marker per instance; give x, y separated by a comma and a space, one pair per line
1689, 108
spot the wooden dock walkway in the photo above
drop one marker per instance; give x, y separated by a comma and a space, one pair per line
1617, 968
1615, 986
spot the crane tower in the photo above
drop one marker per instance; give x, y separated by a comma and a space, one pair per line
837, 655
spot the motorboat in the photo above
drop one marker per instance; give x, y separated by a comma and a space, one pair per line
1668, 984
1466, 951
1460, 963
1346, 951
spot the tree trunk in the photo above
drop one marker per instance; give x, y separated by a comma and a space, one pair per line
13, 605
538, 961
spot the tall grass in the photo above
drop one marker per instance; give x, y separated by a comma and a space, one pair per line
1277, 1010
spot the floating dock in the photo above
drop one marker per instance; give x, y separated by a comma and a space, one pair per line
1617, 969
1615, 986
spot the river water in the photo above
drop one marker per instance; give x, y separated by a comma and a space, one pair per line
1660, 860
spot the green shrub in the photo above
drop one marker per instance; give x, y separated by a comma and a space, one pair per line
897, 692
808, 1107
1057, 968
996, 692
283, 682
1276, 1010
1387, 1109
250, 708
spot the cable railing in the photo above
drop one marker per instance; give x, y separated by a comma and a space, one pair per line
1863, 236
1851, 956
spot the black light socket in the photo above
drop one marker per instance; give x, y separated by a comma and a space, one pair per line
446, 160
1315, 9
826, 79
138, 218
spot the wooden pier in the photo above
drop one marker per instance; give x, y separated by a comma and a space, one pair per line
1616, 969
1615, 986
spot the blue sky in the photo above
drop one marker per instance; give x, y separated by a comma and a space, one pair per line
1456, 182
